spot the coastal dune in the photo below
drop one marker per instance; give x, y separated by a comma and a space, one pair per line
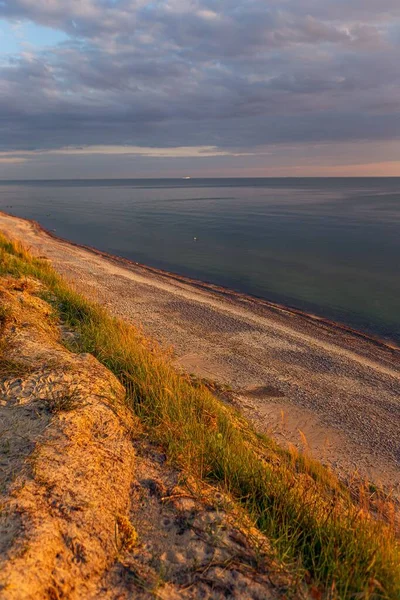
302, 379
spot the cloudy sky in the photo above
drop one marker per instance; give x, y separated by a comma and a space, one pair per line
132, 88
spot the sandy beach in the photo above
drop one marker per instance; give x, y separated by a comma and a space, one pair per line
293, 375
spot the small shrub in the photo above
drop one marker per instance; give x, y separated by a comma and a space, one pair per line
62, 401
13, 368
125, 534
5, 314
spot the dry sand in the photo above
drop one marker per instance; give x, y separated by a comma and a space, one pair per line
290, 372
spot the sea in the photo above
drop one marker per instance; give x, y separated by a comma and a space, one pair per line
329, 246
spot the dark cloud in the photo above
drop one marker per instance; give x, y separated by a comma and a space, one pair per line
203, 72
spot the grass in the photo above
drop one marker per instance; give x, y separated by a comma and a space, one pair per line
63, 402
4, 315
12, 368
316, 527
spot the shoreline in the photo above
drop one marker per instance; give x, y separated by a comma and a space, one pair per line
103, 467
301, 379
223, 291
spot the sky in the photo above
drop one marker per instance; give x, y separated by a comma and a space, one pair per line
201, 88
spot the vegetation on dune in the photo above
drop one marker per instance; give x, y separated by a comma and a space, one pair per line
316, 527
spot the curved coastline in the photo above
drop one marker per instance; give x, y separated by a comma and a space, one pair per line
286, 370
223, 291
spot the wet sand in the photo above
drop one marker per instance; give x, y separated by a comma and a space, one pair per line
294, 376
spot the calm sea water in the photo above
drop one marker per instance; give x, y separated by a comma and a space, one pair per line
331, 246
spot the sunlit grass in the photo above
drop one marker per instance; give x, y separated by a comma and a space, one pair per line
307, 513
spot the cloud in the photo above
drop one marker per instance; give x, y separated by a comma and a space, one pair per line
11, 160
312, 159
114, 151
202, 76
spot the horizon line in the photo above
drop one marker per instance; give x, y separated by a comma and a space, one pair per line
180, 178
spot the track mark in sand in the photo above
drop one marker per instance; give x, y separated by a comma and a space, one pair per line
266, 391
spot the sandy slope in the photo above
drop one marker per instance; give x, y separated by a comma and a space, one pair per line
60, 485
89, 507
290, 372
